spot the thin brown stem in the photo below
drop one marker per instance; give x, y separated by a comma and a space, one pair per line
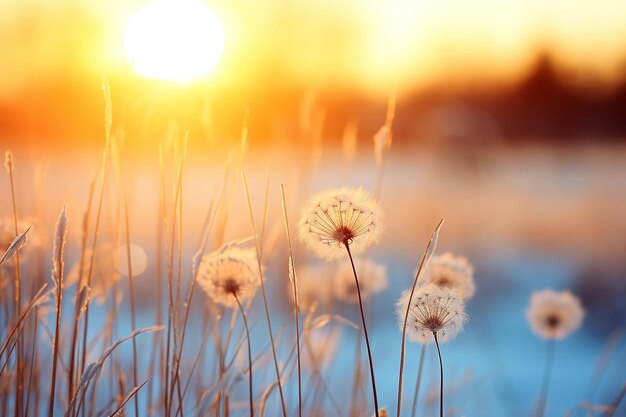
18, 290
294, 283
245, 323
419, 381
57, 275
541, 409
267, 313
77, 312
187, 305
367, 339
133, 393
33, 354
131, 290
441, 376
108, 116
430, 248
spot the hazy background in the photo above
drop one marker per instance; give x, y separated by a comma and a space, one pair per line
510, 124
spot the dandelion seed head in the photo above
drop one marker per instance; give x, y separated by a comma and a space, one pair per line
554, 315
229, 274
453, 272
372, 280
336, 217
433, 309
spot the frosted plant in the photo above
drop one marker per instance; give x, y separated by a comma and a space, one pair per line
554, 315
434, 310
372, 278
343, 221
7, 235
453, 272
229, 277
435, 314
336, 218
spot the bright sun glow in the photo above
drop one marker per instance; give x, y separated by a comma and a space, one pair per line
177, 40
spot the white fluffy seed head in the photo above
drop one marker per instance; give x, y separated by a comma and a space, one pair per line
453, 272
229, 273
338, 216
433, 309
372, 280
554, 315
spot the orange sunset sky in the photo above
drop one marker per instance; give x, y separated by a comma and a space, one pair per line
55, 50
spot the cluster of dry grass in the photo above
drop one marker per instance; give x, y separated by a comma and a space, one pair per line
71, 348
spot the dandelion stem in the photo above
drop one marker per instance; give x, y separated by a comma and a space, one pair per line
367, 339
245, 323
541, 408
419, 380
441, 378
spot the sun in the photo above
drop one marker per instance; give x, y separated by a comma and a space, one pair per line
177, 40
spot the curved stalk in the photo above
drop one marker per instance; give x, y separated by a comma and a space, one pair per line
430, 248
440, 379
367, 339
257, 246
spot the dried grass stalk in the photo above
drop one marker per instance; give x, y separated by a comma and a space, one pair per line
60, 236
92, 371
428, 253
15, 246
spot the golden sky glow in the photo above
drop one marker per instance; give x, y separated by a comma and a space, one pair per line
175, 40
363, 44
